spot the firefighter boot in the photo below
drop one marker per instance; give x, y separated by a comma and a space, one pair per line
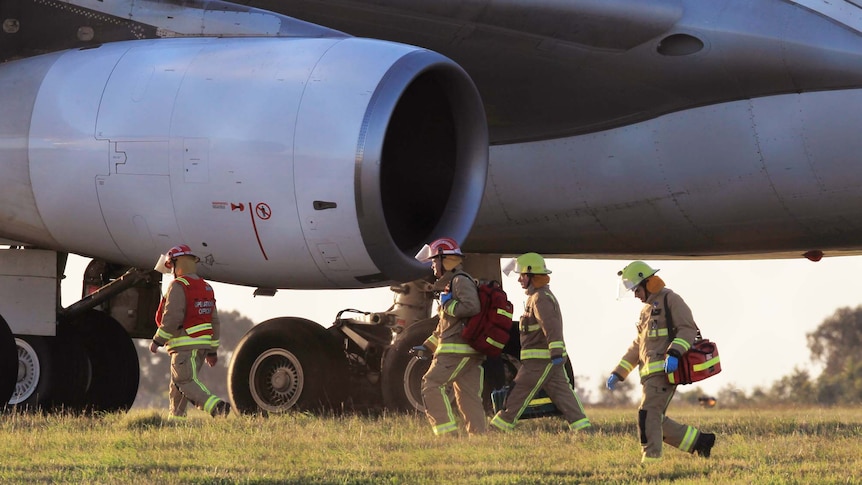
704, 444
221, 409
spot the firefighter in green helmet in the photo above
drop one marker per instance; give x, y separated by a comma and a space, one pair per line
543, 351
657, 353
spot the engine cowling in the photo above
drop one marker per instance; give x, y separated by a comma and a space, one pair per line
286, 163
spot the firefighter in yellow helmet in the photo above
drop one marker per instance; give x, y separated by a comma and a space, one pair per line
188, 327
455, 363
657, 353
543, 351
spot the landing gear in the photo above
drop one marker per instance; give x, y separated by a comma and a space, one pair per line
108, 367
90, 366
287, 364
8, 362
35, 374
402, 373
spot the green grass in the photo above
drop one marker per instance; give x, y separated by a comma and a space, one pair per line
798, 446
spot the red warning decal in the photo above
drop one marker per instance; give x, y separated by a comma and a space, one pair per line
263, 211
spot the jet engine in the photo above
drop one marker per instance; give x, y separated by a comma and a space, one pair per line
283, 163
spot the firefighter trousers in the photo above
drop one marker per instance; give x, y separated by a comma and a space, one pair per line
464, 372
536, 374
185, 385
654, 426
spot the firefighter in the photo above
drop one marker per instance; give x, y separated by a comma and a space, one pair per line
657, 354
543, 351
454, 363
188, 327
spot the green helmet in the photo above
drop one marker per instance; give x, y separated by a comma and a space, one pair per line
634, 273
532, 263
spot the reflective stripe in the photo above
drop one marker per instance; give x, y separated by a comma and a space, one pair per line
445, 428
449, 307
197, 330
211, 404
657, 332
626, 365
580, 424
501, 423
688, 440
433, 340
557, 344
503, 312
205, 340
456, 349
165, 335
215, 343
493, 342
682, 343
529, 328
652, 368
535, 354
706, 365
541, 401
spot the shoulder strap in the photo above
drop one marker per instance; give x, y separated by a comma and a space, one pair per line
671, 328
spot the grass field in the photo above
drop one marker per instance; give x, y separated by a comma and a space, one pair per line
798, 446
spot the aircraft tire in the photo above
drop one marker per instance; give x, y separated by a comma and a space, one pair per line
402, 372
113, 362
287, 364
8, 362
35, 361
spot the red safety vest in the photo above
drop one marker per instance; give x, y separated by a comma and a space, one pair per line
200, 302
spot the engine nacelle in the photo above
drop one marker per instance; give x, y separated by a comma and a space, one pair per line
285, 163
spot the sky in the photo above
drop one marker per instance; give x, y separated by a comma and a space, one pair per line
758, 312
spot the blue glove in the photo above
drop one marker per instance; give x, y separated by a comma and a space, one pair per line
670, 364
557, 360
612, 381
444, 297
420, 352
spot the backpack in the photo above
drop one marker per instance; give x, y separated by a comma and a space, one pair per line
488, 331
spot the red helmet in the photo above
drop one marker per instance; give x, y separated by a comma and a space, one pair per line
166, 261
445, 246
180, 250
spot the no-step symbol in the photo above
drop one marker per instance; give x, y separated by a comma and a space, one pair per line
263, 211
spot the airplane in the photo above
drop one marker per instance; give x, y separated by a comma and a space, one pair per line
319, 144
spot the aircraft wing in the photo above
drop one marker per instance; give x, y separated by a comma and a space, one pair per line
320, 143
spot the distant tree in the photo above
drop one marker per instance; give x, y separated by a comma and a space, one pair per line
731, 396
156, 368
796, 388
836, 343
837, 339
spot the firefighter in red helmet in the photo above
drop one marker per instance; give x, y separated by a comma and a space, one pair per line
188, 327
455, 362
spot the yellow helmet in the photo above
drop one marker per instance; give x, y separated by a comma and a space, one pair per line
532, 263
634, 273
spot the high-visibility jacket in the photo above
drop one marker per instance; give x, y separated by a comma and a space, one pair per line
455, 313
541, 325
187, 317
653, 342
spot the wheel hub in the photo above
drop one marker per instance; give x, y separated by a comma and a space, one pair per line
276, 380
